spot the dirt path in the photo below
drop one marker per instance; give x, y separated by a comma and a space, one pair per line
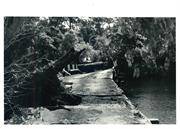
102, 103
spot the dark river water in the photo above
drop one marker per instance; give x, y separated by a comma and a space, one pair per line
155, 98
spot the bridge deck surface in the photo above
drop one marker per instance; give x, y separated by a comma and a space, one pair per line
103, 102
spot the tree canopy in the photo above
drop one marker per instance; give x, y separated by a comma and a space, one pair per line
33, 43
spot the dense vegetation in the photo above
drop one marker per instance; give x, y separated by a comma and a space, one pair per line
139, 47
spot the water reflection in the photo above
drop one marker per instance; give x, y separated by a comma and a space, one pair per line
156, 98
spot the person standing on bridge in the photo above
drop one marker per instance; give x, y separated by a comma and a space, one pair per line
121, 68
137, 60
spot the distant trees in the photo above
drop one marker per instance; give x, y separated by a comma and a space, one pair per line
161, 40
146, 45
151, 40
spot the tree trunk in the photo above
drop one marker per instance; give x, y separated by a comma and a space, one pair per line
43, 86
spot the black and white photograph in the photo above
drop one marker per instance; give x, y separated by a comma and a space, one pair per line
89, 70
85, 63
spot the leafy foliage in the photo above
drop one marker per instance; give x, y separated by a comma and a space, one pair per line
147, 46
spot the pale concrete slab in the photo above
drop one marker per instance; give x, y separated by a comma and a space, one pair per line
103, 102
96, 83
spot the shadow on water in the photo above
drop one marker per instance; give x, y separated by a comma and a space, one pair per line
156, 98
